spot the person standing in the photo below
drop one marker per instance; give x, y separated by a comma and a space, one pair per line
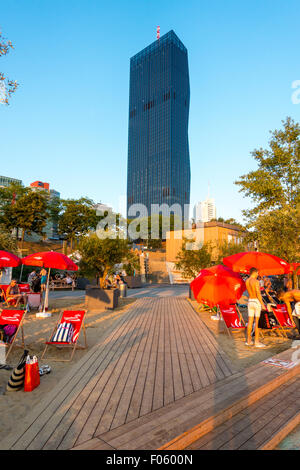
255, 305
43, 275
31, 278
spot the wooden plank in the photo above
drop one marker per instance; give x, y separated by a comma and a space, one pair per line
147, 399
94, 444
168, 385
241, 421
158, 390
85, 414
217, 410
58, 423
283, 431
211, 348
137, 396
176, 369
120, 397
182, 322
185, 373
72, 381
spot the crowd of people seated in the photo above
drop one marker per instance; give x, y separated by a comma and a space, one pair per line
114, 281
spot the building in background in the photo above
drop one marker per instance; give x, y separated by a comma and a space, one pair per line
215, 233
158, 146
51, 229
205, 211
5, 181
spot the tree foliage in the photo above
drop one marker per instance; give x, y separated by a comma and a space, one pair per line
78, 218
99, 256
7, 243
21, 208
191, 261
275, 191
7, 86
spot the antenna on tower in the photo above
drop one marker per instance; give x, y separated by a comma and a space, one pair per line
158, 32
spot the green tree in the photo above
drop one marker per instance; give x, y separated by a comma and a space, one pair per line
191, 261
27, 213
7, 86
230, 248
7, 243
77, 219
99, 256
274, 188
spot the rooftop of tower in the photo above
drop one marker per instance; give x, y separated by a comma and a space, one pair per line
166, 38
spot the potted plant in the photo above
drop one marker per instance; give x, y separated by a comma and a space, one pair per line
98, 257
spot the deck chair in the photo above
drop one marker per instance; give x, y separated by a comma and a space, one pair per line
76, 317
282, 316
232, 317
13, 317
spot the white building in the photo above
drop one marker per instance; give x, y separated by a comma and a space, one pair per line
205, 211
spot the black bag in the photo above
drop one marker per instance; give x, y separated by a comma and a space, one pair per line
16, 381
267, 321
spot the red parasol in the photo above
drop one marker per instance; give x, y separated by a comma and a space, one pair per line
266, 264
217, 285
50, 259
9, 260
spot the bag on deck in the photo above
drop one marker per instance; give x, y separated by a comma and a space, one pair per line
32, 375
16, 381
267, 321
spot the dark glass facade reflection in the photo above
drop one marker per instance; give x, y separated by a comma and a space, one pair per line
158, 147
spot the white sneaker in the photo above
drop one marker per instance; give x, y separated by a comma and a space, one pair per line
260, 345
249, 344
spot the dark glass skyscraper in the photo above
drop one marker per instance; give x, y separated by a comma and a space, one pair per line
158, 147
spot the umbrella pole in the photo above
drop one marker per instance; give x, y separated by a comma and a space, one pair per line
21, 274
47, 292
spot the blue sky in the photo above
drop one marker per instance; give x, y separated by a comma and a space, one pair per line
68, 122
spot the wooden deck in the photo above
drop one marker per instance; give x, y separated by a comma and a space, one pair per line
260, 426
157, 354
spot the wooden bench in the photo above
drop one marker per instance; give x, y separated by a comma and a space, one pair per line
61, 284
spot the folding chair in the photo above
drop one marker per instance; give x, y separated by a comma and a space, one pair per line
282, 316
13, 317
232, 317
76, 317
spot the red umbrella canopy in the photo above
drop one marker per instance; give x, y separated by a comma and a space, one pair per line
9, 260
218, 285
50, 259
266, 264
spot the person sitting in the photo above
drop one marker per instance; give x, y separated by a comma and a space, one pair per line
13, 293
291, 299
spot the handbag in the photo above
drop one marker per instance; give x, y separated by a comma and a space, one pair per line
32, 375
16, 380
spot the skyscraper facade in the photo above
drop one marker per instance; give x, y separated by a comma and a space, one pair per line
158, 147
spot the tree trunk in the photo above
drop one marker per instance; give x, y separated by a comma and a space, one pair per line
22, 239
